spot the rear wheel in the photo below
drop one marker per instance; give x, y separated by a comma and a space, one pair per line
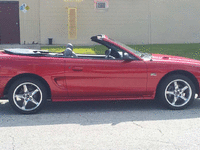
176, 92
27, 95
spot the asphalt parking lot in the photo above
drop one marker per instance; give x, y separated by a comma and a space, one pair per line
100, 125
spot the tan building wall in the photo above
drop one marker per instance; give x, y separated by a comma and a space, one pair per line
175, 21
129, 21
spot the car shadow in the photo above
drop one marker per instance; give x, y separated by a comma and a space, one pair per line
95, 112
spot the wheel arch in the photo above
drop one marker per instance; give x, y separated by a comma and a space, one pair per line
182, 72
11, 81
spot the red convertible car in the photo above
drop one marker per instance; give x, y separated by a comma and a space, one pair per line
29, 77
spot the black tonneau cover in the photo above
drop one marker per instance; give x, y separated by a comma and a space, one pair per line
18, 51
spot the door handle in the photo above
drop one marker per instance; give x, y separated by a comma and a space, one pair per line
77, 68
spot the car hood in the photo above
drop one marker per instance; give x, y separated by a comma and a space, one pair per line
176, 59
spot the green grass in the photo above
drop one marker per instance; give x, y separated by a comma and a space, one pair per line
191, 50
98, 49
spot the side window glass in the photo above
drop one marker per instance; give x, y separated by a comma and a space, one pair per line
121, 52
93, 52
109, 52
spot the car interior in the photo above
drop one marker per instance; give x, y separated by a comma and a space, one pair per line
111, 53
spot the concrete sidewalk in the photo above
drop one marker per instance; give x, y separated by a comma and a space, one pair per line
101, 125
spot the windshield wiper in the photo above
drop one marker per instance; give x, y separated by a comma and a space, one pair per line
142, 54
145, 54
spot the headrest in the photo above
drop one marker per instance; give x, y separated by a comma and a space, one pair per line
69, 45
68, 52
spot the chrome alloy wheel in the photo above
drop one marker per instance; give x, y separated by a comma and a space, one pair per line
178, 93
27, 96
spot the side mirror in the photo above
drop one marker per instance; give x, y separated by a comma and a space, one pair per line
127, 57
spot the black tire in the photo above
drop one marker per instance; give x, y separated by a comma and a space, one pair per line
176, 92
27, 95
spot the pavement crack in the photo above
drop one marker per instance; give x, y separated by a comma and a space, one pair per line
13, 142
138, 125
169, 140
161, 131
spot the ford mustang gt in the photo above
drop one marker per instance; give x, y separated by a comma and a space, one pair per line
28, 77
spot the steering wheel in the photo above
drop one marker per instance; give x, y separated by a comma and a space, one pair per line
115, 54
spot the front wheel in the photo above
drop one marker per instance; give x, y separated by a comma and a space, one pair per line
176, 92
27, 95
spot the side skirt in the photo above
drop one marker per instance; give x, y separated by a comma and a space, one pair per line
100, 99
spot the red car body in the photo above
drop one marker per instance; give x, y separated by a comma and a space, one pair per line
77, 79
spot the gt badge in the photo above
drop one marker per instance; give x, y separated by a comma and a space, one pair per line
153, 74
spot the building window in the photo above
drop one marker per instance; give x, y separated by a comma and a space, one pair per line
101, 5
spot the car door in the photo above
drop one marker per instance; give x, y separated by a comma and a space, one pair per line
105, 78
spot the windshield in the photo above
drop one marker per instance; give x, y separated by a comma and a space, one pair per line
129, 48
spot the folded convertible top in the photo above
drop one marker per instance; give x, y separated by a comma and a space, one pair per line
19, 51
